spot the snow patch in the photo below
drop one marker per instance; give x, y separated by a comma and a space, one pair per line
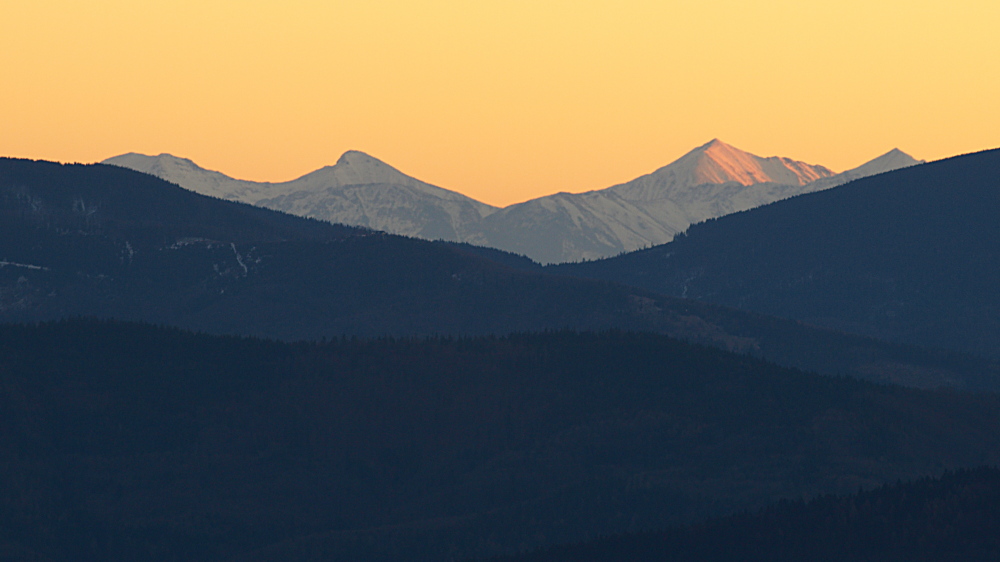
239, 259
5, 263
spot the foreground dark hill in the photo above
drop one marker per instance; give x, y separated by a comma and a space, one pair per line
102, 240
105, 241
911, 255
952, 519
127, 442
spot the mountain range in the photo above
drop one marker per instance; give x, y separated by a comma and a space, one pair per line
910, 256
710, 181
105, 241
555, 405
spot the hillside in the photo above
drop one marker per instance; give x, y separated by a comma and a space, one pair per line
911, 255
126, 441
955, 518
108, 242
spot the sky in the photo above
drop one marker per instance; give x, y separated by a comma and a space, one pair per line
500, 100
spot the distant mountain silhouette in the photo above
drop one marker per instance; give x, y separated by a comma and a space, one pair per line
911, 255
710, 181
106, 241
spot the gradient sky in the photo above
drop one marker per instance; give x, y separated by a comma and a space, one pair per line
500, 100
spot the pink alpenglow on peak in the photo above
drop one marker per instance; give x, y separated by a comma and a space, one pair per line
718, 162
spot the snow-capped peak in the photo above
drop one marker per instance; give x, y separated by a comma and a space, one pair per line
181, 171
151, 164
892, 160
356, 168
358, 158
717, 162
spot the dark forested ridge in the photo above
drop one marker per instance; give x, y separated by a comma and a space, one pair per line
105, 241
114, 203
126, 441
952, 519
129, 441
911, 255
102, 240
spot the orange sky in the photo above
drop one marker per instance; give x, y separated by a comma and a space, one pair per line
501, 100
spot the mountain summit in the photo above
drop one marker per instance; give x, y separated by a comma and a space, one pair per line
357, 168
895, 159
718, 162
352, 168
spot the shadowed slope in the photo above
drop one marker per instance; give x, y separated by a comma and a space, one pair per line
952, 519
127, 442
105, 241
911, 255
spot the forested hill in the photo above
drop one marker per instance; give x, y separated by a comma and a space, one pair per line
952, 519
126, 441
911, 255
123, 205
105, 241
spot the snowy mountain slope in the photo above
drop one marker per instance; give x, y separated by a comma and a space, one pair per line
713, 180
570, 227
358, 190
911, 255
603, 223
189, 175
717, 163
646, 211
895, 159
